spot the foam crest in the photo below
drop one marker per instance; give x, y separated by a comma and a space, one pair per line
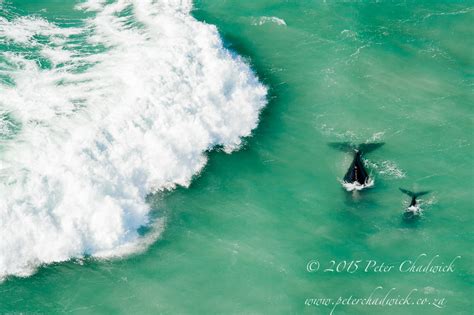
22, 29
94, 143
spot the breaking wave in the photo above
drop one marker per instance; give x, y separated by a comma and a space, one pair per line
102, 114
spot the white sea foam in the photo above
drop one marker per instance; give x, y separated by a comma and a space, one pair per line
414, 210
22, 29
94, 143
356, 186
387, 168
268, 19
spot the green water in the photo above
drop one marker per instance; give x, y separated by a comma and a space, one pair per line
239, 239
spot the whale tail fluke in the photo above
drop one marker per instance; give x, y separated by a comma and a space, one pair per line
414, 194
362, 147
369, 147
342, 146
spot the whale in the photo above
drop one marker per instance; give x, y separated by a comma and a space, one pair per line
356, 177
414, 208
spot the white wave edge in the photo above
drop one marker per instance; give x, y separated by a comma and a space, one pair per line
74, 181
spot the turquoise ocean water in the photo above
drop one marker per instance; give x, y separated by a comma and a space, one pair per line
105, 103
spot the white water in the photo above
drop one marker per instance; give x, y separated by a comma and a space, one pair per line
93, 144
356, 186
268, 19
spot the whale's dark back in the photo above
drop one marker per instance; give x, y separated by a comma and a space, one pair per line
356, 172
